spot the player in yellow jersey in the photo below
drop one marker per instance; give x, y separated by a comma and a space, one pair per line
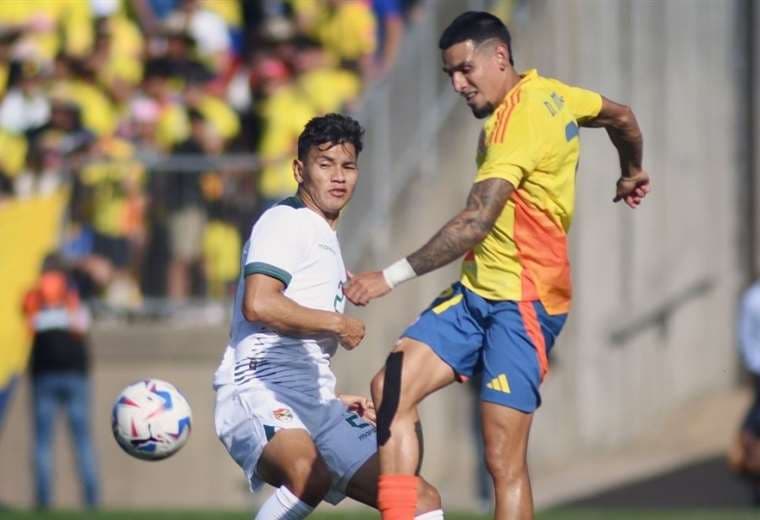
511, 302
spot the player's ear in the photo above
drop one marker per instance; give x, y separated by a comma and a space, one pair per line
298, 171
502, 56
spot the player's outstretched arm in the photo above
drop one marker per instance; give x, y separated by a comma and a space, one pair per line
620, 123
264, 302
463, 232
460, 234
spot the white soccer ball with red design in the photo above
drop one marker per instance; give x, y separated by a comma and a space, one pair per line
151, 419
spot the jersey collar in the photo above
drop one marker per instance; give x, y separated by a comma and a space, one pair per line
293, 201
524, 78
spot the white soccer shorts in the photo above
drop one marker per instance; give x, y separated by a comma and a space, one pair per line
247, 419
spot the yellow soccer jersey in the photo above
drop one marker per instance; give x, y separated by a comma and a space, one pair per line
328, 88
531, 140
220, 116
285, 115
349, 33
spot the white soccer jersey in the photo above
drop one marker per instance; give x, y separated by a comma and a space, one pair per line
294, 244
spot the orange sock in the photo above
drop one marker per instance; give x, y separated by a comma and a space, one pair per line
397, 496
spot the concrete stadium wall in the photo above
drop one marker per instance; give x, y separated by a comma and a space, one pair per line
653, 318
652, 326
655, 289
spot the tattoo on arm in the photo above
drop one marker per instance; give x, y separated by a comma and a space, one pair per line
460, 234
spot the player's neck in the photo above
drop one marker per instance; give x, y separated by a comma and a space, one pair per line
332, 220
511, 79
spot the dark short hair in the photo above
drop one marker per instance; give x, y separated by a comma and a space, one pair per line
330, 128
477, 26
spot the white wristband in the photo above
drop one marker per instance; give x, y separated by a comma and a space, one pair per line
398, 272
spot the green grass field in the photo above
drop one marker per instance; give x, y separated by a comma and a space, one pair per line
566, 514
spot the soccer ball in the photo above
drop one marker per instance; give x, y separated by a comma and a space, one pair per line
151, 419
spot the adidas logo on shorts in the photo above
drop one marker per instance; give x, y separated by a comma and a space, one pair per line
500, 384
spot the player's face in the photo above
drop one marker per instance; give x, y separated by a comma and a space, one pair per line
327, 177
476, 73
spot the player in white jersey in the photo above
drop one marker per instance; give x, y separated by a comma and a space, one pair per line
277, 412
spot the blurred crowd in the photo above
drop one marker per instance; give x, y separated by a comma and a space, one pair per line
141, 107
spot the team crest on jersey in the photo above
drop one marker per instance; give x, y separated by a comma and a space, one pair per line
282, 414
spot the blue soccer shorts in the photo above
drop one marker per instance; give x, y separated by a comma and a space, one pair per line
508, 341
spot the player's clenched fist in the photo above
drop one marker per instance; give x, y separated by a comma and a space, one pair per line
632, 189
364, 287
351, 332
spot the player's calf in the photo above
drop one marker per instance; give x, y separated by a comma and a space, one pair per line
505, 436
428, 501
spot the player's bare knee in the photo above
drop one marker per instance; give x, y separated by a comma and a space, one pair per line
505, 468
428, 498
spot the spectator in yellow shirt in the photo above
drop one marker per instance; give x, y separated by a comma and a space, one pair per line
76, 81
115, 182
184, 198
49, 27
326, 87
117, 56
284, 113
348, 32
221, 253
214, 110
172, 126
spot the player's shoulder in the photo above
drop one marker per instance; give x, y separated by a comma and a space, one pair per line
550, 82
539, 88
286, 212
289, 204
289, 208
534, 92
543, 96
290, 215
533, 81
559, 87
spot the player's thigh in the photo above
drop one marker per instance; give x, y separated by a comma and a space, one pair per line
411, 372
347, 444
248, 422
291, 457
363, 485
442, 345
225, 407
505, 437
